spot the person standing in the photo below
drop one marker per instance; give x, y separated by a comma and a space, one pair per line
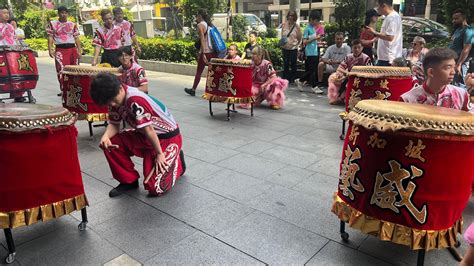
64, 44
367, 38
390, 41
206, 53
129, 35
110, 37
292, 32
310, 42
461, 42
19, 33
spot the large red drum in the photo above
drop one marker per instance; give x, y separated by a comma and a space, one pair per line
18, 70
40, 176
229, 81
406, 172
373, 82
75, 84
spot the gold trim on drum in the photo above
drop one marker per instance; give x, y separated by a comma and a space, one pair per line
76, 70
245, 63
43, 213
16, 125
392, 116
230, 100
396, 233
96, 117
380, 72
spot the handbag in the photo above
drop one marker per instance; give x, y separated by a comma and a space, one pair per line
284, 40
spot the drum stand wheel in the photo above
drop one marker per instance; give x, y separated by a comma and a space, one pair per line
228, 110
10, 258
342, 230
83, 224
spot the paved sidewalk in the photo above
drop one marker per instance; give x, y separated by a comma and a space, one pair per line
258, 190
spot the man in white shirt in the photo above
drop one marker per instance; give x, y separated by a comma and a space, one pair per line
390, 40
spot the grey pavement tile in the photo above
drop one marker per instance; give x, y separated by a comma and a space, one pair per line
185, 200
24, 234
92, 157
207, 152
123, 260
251, 165
214, 219
102, 173
291, 156
67, 246
324, 136
295, 119
253, 132
227, 140
256, 147
272, 240
196, 131
289, 176
236, 186
198, 171
402, 255
336, 254
143, 232
298, 130
308, 211
318, 184
332, 150
264, 123
327, 165
300, 143
200, 249
96, 191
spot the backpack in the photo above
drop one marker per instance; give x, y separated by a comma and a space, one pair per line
217, 43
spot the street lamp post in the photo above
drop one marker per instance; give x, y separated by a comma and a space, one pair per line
138, 9
428, 9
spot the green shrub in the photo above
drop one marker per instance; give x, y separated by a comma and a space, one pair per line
37, 44
239, 28
35, 21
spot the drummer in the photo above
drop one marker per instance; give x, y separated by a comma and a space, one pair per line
110, 37
7, 38
129, 35
155, 137
65, 37
132, 73
439, 68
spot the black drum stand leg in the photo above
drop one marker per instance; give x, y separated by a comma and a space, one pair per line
91, 132
421, 257
82, 226
10, 258
210, 109
251, 109
228, 112
233, 108
342, 230
454, 252
31, 99
341, 137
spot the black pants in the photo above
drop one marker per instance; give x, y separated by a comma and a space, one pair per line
369, 51
311, 70
289, 62
111, 57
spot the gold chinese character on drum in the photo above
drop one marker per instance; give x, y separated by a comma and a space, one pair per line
406, 173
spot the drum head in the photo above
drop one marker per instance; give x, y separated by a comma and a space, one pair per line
88, 70
380, 72
392, 116
24, 117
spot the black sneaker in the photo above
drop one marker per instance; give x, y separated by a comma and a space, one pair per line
20, 100
120, 189
190, 91
183, 163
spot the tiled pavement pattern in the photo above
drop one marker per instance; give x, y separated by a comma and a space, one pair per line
257, 190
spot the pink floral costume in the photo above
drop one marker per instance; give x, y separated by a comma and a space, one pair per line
450, 97
266, 85
133, 76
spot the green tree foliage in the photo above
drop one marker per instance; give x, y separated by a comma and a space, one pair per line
349, 15
35, 21
446, 8
239, 28
190, 8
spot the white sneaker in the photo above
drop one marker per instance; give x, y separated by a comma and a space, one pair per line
299, 84
317, 90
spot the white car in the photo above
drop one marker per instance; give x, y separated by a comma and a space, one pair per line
220, 21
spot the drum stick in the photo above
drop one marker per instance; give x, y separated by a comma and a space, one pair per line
150, 174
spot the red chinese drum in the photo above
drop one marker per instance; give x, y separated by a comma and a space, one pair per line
381, 83
18, 70
75, 84
40, 175
229, 81
406, 172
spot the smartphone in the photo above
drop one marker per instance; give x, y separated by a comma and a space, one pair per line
113, 146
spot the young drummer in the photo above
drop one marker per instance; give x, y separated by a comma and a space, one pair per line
129, 35
233, 53
132, 73
110, 37
439, 67
154, 136
64, 44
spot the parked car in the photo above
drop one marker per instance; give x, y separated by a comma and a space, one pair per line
220, 21
428, 29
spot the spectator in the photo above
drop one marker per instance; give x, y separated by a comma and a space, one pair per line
19, 33
110, 37
436, 90
390, 42
337, 80
320, 31
292, 32
461, 42
367, 38
310, 43
233, 53
132, 73
247, 54
206, 53
129, 35
331, 59
415, 56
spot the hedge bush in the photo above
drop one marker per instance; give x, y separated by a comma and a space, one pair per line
169, 50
